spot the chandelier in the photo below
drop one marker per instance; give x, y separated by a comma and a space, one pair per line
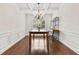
39, 13
39, 22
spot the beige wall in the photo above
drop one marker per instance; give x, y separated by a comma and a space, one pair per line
7, 17
12, 26
69, 29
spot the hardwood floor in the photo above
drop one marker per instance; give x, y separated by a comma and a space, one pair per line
55, 48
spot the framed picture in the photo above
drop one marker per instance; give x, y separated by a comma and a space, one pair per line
56, 23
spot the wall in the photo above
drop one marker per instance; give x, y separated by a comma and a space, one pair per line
69, 30
12, 26
29, 22
47, 18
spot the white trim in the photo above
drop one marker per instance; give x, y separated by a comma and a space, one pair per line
20, 35
11, 45
69, 46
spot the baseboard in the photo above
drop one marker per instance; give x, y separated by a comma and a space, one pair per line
11, 45
69, 46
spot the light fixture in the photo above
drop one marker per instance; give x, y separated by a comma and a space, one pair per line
38, 20
39, 12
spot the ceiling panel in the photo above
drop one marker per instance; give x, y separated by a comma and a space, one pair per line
32, 7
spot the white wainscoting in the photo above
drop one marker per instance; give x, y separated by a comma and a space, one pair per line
71, 40
9, 39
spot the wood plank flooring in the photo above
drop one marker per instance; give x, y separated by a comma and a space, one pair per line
55, 48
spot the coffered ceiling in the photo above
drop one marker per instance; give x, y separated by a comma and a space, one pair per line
32, 7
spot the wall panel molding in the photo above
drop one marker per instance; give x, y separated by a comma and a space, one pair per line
70, 39
8, 39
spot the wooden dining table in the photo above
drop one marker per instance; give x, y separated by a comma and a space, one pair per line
32, 36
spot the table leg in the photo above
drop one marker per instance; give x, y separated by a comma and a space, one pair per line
33, 36
53, 36
47, 43
44, 36
29, 43
44, 39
